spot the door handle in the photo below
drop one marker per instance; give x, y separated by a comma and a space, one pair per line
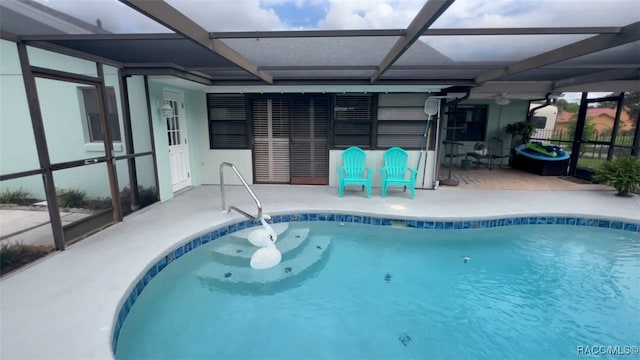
91, 161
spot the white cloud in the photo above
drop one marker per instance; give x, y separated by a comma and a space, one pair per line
366, 14
525, 13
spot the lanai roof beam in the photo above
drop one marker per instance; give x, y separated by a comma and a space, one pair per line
425, 17
168, 16
627, 34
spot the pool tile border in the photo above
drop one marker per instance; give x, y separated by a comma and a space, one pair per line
445, 224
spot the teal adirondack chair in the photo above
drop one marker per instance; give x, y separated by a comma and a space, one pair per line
395, 171
352, 171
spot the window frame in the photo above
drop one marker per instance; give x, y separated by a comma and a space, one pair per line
243, 127
479, 115
112, 116
352, 121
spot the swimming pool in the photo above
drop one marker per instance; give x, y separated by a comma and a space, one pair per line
525, 291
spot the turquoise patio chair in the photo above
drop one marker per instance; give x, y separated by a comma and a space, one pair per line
352, 171
395, 171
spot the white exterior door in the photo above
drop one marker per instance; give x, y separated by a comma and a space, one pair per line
178, 141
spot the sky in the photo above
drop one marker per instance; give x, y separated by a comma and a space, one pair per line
574, 97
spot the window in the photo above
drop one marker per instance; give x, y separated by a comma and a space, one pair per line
468, 121
353, 125
90, 103
540, 122
228, 124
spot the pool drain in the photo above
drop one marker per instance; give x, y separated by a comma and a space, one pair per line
404, 339
387, 278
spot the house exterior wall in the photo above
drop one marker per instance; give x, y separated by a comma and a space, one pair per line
197, 128
375, 161
196, 114
140, 131
65, 126
61, 109
498, 117
160, 138
63, 116
16, 132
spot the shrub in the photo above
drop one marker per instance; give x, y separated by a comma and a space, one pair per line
98, 203
623, 173
15, 255
71, 198
522, 128
18, 197
147, 197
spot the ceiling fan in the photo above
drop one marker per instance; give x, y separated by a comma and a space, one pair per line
502, 99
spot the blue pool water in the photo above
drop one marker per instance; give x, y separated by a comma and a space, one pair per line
527, 292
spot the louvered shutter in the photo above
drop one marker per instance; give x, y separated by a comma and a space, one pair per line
271, 140
309, 141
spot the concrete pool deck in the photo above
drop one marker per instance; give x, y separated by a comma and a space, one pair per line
63, 307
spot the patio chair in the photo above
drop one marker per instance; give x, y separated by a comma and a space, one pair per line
395, 170
352, 171
492, 156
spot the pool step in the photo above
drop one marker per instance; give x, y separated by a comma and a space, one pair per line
311, 254
241, 249
279, 228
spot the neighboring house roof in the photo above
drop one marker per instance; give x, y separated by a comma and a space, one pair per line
595, 112
564, 117
601, 118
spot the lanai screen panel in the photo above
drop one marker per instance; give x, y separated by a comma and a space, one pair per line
627, 55
179, 51
320, 51
496, 48
111, 15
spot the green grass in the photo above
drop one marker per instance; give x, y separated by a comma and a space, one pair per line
589, 163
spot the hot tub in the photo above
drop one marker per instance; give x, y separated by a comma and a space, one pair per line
526, 159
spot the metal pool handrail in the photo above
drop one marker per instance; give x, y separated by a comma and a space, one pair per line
246, 186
